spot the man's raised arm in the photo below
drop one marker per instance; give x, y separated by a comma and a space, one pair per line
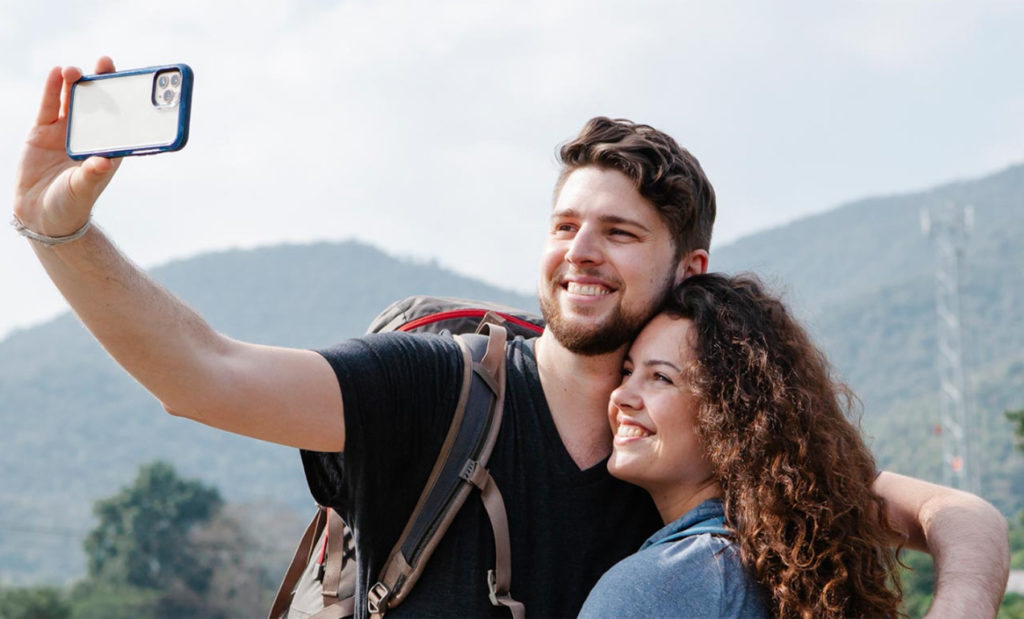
281, 395
966, 536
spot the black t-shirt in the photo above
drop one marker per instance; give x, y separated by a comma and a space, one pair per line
567, 526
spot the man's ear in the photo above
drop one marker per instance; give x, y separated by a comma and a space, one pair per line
694, 262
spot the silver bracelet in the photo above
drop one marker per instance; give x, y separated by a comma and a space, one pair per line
50, 241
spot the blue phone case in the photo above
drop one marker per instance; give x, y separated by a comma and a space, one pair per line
136, 112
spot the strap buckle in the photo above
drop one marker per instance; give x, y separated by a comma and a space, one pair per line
468, 470
377, 598
492, 589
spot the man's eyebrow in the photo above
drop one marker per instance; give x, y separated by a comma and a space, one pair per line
571, 213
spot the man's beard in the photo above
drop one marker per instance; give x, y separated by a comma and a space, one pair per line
618, 329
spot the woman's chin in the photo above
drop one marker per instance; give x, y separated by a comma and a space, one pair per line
621, 467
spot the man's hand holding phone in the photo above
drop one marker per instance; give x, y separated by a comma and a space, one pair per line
54, 194
98, 118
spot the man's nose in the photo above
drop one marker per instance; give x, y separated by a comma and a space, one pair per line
585, 248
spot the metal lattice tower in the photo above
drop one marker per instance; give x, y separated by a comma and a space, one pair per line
950, 226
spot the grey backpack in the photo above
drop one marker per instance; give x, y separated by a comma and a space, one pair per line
320, 582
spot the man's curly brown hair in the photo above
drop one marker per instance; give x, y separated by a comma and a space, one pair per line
795, 473
664, 173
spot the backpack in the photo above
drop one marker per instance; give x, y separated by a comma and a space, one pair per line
320, 581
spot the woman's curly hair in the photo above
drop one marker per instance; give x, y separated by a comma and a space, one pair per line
795, 473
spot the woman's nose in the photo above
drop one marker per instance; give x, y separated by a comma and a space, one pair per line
625, 397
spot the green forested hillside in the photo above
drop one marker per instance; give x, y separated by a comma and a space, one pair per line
74, 426
863, 276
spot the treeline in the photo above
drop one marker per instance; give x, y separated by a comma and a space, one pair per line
918, 578
163, 547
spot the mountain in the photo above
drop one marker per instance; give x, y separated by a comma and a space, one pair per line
863, 276
76, 426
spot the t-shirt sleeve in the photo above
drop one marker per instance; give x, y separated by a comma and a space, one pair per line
399, 391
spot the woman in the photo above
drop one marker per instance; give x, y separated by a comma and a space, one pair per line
727, 409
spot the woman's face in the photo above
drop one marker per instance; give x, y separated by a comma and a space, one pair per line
653, 414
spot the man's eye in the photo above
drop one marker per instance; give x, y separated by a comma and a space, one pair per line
622, 233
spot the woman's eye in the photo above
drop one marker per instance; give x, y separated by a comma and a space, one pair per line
663, 378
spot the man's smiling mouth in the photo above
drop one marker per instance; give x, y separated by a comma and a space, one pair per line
587, 290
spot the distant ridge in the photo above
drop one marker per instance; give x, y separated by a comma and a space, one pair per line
75, 426
863, 276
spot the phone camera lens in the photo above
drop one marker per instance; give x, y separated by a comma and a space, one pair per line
162, 81
175, 80
168, 96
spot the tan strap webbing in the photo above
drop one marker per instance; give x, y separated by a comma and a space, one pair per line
335, 556
499, 580
300, 559
494, 358
338, 610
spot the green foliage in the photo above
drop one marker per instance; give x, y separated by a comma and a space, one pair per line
34, 603
163, 549
141, 538
67, 411
918, 582
1017, 419
1017, 544
1012, 607
106, 600
862, 275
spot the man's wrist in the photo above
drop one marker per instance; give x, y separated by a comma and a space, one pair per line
45, 239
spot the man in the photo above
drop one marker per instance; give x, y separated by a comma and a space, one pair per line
616, 244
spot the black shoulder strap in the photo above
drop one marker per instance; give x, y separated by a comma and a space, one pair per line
460, 467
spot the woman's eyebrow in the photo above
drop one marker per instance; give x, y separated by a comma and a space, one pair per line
653, 362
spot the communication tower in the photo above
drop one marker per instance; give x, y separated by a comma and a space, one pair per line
950, 226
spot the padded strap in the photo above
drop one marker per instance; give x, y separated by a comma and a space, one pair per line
470, 440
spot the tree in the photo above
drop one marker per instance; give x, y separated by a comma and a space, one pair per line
1017, 419
1013, 603
34, 603
918, 581
142, 535
163, 548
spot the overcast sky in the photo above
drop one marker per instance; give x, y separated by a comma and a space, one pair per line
429, 128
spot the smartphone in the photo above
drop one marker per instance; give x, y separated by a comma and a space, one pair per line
137, 112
